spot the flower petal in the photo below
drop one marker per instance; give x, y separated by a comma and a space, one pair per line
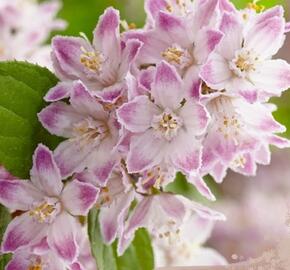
60, 91
62, 237
106, 36
233, 36
113, 217
136, 115
79, 197
216, 72
272, 76
59, 119
167, 89
19, 233
201, 186
266, 37
18, 194
66, 54
45, 174
145, 151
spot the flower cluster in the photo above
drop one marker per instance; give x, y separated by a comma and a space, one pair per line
27, 22
187, 93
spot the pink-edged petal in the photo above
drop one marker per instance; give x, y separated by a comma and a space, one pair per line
112, 218
62, 237
248, 167
193, 83
66, 54
72, 155
172, 206
272, 76
136, 115
279, 142
45, 174
201, 186
59, 118
171, 28
276, 11
267, 37
206, 41
129, 54
84, 103
216, 72
146, 150
167, 89
186, 155
195, 117
79, 197
226, 5
18, 194
206, 12
139, 216
22, 231
233, 36
219, 172
152, 8
60, 91
106, 35
201, 210
263, 155
111, 93
19, 261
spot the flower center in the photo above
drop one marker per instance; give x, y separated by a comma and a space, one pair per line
36, 263
45, 211
244, 62
92, 60
90, 129
239, 162
256, 7
176, 6
167, 124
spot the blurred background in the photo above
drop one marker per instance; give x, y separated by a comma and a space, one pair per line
256, 207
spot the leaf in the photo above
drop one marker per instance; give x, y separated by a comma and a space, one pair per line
139, 255
4, 220
22, 87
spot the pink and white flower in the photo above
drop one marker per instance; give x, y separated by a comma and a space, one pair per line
166, 125
91, 133
18, 29
163, 214
185, 246
239, 136
48, 207
101, 66
242, 62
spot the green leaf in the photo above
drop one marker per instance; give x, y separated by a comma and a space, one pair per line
139, 256
4, 220
22, 87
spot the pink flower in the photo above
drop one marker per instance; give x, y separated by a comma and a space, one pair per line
102, 66
242, 61
165, 126
91, 133
114, 202
184, 247
162, 215
239, 136
18, 29
48, 208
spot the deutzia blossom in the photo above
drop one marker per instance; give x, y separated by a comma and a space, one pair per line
166, 125
23, 38
48, 207
242, 62
91, 134
103, 65
239, 136
188, 245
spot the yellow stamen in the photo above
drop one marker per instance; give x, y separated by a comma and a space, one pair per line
254, 6
42, 212
173, 54
91, 60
